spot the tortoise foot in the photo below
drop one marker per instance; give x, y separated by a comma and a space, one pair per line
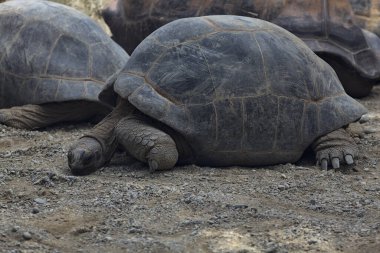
86, 156
334, 149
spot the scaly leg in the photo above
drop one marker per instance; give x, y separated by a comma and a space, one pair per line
38, 116
147, 143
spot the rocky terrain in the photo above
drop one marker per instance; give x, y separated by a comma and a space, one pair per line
124, 208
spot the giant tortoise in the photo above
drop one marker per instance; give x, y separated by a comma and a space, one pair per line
54, 62
326, 26
222, 91
367, 14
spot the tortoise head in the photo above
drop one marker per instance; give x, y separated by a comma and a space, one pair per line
85, 156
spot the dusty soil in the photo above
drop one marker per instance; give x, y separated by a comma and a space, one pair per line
124, 208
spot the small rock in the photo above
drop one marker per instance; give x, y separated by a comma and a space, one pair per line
364, 119
369, 131
26, 236
282, 187
360, 214
283, 176
15, 229
35, 210
313, 241
40, 201
108, 238
313, 202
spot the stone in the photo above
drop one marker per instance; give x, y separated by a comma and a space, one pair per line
26, 236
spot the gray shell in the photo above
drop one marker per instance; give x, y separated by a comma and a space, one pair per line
241, 91
52, 53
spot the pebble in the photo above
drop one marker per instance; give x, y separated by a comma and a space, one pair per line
15, 228
40, 201
282, 187
364, 119
108, 238
26, 236
313, 241
35, 210
313, 202
370, 131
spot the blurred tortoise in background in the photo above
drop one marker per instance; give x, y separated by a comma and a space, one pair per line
327, 27
367, 14
222, 91
54, 61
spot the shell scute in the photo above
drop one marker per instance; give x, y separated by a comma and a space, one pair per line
260, 123
70, 58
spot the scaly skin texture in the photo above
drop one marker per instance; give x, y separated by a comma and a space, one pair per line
39, 116
335, 148
96, 148
147, 143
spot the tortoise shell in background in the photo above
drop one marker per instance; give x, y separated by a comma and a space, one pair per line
367, 13
241, 91
327, 27
52, 53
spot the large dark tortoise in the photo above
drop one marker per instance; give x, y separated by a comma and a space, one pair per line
54, 62
221, 91
326, 26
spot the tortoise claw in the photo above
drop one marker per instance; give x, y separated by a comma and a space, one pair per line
324, 164
349, 159
335, 163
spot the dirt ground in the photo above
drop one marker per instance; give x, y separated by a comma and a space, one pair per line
124, 208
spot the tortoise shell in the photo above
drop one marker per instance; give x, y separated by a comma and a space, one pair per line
52, 53
367, 14
327, 27
240, 91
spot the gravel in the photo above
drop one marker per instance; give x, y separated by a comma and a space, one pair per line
125, 208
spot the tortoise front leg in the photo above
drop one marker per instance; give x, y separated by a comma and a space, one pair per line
38, 116
147, 143
335, 148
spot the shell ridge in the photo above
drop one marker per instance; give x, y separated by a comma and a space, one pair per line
15, 39
208, 68
277, 124
263, 62
51, 52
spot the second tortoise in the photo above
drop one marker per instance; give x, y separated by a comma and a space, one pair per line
54, 61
